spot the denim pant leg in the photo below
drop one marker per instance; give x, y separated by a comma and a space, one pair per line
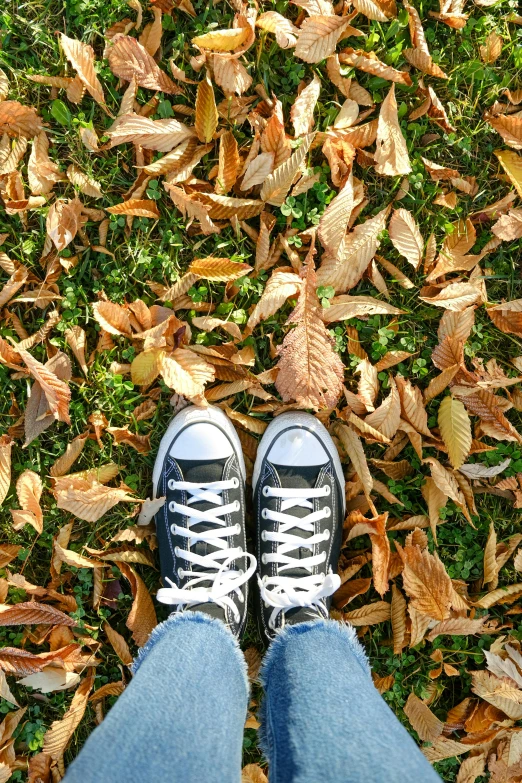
323, 721
181, 718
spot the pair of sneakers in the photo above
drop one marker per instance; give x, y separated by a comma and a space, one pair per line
299, 505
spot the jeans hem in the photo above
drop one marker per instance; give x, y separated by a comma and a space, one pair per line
175, 619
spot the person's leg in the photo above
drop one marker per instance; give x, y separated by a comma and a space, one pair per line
181, 719
323, 721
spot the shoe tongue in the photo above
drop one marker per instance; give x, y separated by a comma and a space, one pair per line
298, 477
202, 472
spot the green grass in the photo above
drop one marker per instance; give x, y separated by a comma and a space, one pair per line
161, 252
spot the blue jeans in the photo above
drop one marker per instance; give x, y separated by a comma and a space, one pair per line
181, 719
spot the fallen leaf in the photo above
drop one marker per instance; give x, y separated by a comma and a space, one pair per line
391, 155
81, 57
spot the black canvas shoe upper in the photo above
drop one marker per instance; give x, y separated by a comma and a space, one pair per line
299, 513
201, 527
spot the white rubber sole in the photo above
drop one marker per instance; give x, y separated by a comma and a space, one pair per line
193, 415
298, 419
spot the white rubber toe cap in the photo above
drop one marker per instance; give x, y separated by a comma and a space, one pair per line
297, 447
201, 440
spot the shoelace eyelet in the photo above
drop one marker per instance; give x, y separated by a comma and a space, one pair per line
263, 559
264, 513
327, 490
327, 533
327, 512
177, 551
263, 535
172, 507
173, 529
237, 505
266, 490
170, 484
236, 483
238, 529
180, 573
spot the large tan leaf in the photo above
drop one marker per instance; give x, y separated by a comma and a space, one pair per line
426, 582
29, 491
229, 163
371, 614
137, 208
60, 732
302, 111
412, 405
258, 170
422, 719
386, 418
63, 221
471, 768
81, 57
18, 120
345, 270
285, 32
222, 40
510, 162
492, 48
129, 60
15, 282
230, 74
310, 372
509, 226
118, 644
83, 182
274, 139
32, 613
194, 209
343, 307
206, 112
6, 444
335, 219
88, 499
161, 135
42, 172
186, 373
112, 317
278, 289
406, 237
458, 626
277, 185
353, 447
423, 61
499, 693
509, 127
70, 557
318, 37
218, 269
57, 393
455, 296
226, 207
398, 620
142, 616
369, 63
379, 10
391, 154
455, 429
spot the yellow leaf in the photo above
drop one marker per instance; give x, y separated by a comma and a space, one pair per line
455, 429
512, 165
218, 269
137, 208
206, 112
222, 40
145, 367
229, 163
6, 444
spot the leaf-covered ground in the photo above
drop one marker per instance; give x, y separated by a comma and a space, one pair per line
268, 151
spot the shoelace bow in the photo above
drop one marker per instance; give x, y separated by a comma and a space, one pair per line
288, 592
215, 564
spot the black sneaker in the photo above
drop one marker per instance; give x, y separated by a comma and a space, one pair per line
201, 527
299, 504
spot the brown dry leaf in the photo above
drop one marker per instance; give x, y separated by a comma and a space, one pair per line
83, 182
412, 405
129, 60
391, 155
258, 170
318, 37
386, 418
371, 614
253, 773
369, 62
142, 617
310, 372
509, 226
426, 582
490, 559
63, 222
277, 185
440, 382
42, 172
353, 447
455, 430
229, 163
160, 135
123, 435
508, 126
8, 552
29, 491
423, 61
278, 289
422, 719
60, 732
76, 340
206, 112
17, 120
455, 296
112, 317
32, 613
471, 768
6, 444
118, 643
4, 85
137, 208
81, 57
406, 237
186, 373
499, 693
398, 620
88, 499
57, 393
335, 219
219, 269
492, 48
302, 111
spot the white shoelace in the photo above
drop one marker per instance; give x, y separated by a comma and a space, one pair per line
287, 592
215, 564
